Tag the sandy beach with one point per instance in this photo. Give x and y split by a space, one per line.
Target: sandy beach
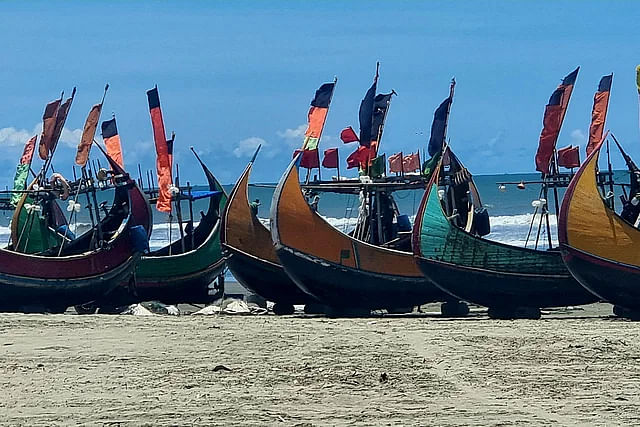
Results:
573 367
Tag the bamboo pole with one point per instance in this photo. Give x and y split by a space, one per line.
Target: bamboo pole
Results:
179 208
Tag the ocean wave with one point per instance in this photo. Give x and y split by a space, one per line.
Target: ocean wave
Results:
513 230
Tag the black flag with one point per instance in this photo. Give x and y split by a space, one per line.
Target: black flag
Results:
439 127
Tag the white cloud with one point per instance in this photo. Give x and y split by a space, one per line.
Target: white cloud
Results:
12 137
578 137
293 133
247 147
70 138
293 137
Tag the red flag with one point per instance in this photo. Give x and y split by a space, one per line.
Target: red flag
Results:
569 157
48 128
330 160
348 135
552 122
164 152
599 113
550 130
411 162
310 159
29 148
358 158
395 163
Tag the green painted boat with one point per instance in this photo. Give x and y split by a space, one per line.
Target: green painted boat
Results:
172 276
507 279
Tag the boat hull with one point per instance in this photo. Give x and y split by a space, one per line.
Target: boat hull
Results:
265 279
508 290
193 288
342 286
23 294
621 285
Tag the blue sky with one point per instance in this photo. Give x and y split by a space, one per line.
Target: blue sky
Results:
231 74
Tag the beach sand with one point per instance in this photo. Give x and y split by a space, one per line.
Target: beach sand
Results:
571 367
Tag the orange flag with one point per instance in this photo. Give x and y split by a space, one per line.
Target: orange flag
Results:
164 152
88 133
599 112
112 141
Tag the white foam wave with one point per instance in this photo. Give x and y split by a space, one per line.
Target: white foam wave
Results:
513 230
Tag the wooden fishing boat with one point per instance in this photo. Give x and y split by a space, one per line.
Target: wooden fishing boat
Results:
251 256
599 247
51 283
172 275
339 270
511 281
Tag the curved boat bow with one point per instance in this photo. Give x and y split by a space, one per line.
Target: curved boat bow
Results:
601 249
252 258
337 269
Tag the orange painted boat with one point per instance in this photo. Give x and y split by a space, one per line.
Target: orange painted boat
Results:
599 247
251 256
340 271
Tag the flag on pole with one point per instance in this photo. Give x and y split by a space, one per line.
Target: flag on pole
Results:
88 133
550 129
359 158
599 113
569 157
164 152
395 163
348 135
63 112
316 117
380 107
112 141
377 168
552 122
330 160
567 84
48 128
366 113
308 157
22 171
439 127
411 162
